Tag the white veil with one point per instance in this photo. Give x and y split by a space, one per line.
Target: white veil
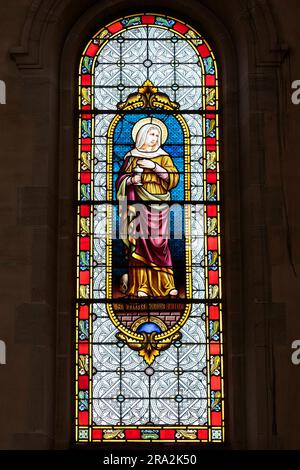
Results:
142 135
140 141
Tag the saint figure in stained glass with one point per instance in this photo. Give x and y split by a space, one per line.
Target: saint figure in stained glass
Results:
148 175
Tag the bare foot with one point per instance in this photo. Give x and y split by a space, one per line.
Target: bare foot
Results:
174 292
142 294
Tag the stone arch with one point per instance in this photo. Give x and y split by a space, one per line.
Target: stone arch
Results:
244 37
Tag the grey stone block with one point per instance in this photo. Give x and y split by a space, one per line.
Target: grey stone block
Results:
33 206
33 324
31 441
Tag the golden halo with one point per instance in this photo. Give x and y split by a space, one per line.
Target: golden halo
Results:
142 122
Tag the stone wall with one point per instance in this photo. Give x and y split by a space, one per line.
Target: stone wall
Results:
257 45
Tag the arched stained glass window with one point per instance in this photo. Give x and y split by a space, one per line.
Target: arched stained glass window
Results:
149 348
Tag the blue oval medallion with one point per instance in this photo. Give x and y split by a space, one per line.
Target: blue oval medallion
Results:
149 328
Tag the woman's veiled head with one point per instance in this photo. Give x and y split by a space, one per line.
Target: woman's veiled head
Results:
148 138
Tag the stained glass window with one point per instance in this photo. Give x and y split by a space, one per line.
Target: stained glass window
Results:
149 347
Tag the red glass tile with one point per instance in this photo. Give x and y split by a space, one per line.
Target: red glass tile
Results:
83 418
86 145
216 418
85 177
83 312
167 434
86 80
211 147
202 433
84 243
215 382
210 141
85 107
211 211
83 347
86 116
181 28
83 382
148 19
212 243
92 50
84 277
84 210
211 177
214 348
213 312
213 277
210 80
204 52
86 148
97 433
114 28
133 434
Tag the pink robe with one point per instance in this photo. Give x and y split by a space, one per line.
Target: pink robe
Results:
150 260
